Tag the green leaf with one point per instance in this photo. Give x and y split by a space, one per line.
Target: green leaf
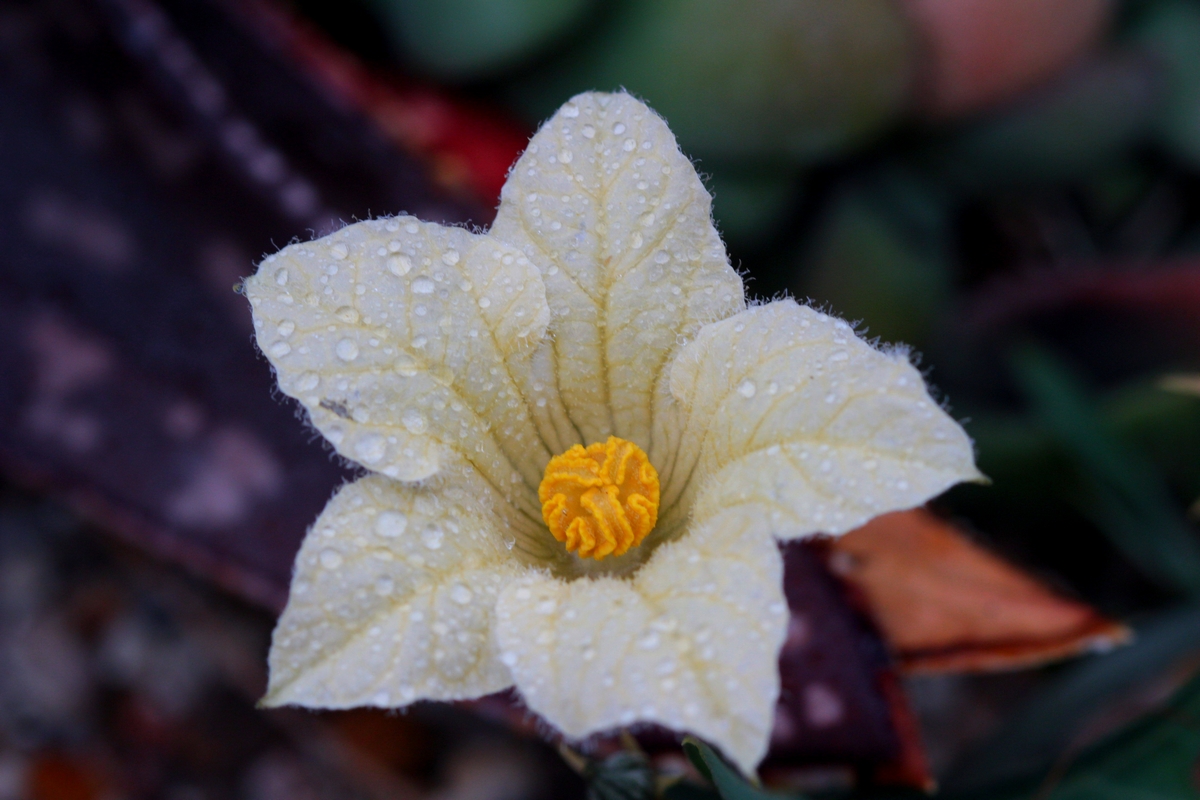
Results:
749 204
1090 690
882 256
728 783
625 775
1123 494
1170 31
1155 759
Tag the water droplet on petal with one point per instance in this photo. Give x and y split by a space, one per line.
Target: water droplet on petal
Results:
347 350
399 265
280 349
618 128
588 132
391 524
570 110
384 586
330 559
423 285
747 388
347 314
484 302
460 594
339 251
450 257
281 276
405 366
308 381
414 421
370 448
286 328
432 537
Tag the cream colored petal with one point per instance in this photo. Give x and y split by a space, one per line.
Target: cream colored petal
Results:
394 596
690 642
789 411
617 219
402 340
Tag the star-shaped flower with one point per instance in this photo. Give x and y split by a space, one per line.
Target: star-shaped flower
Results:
583 447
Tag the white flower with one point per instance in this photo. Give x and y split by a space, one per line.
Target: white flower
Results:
456 365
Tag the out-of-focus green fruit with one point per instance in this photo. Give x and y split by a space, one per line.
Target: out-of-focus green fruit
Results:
464 39
1170 31
1063 132
746 79
982 52
882 257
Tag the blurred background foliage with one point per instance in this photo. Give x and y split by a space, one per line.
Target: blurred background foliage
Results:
1011 188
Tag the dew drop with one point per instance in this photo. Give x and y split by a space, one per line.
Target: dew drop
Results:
384 586
635 241
618 128
460 594
370 448
747 388
629 145
484 302
647 219
570 110
347 350
331 559
406 367
391 524
432 537
280 349
399 265
662 257
281 276
509 658
588 132
347 314
308 381
566 156
414 421
423 285
450 257
339 251
286 328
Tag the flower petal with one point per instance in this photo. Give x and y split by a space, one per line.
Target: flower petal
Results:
690 642
614 213
790 411
394 596
401 339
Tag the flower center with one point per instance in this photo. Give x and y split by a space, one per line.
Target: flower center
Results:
600 500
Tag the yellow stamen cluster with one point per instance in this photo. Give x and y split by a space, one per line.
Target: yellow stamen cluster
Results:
600 500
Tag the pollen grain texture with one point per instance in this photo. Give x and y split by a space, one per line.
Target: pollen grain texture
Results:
600 500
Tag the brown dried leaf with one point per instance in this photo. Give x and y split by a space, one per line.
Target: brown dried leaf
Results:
947 605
